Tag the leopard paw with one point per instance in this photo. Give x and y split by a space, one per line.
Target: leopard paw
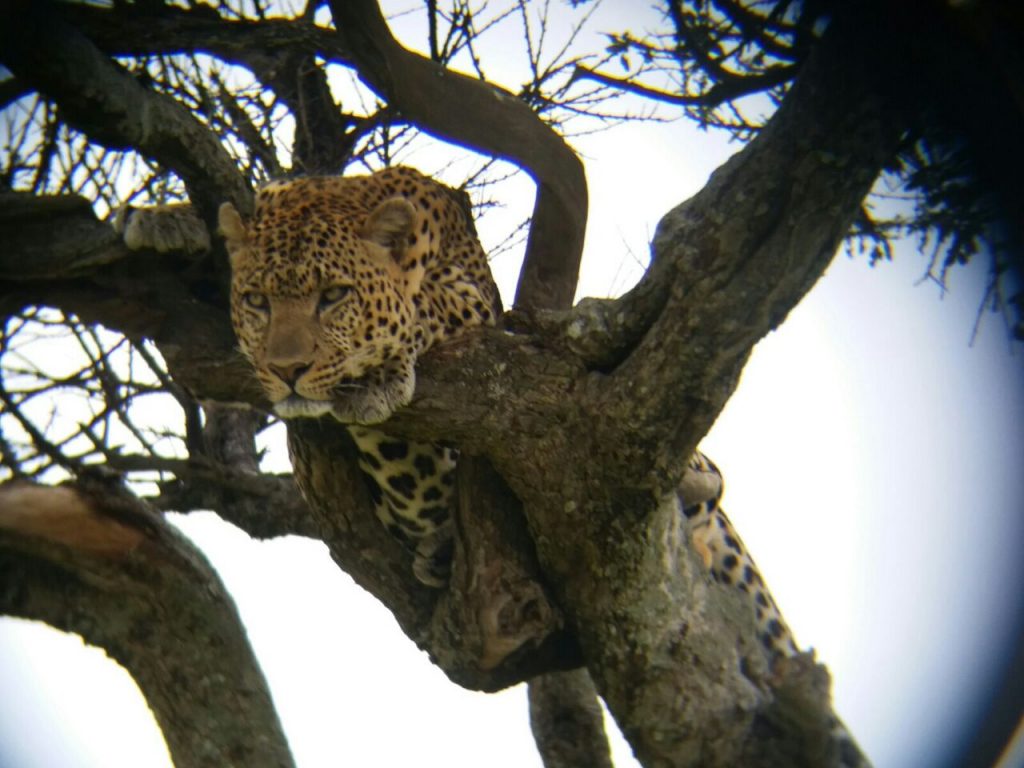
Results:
163 228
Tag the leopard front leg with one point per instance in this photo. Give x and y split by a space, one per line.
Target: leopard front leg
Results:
374 397
411 486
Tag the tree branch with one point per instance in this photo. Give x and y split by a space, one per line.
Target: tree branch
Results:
496 624
57 253
134 31
714 96
49 236
106 103
264 506
324 137
91 559
791 195
280 53
484 118
566 721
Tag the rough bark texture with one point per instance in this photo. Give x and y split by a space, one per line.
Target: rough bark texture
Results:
558 566
91 559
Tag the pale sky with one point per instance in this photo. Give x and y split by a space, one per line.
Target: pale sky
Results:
872 460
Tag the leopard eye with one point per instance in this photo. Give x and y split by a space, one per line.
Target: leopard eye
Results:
331 296
255 300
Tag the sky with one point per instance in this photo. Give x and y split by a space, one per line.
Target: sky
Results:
872 459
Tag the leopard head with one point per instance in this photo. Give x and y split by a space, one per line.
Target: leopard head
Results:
320 304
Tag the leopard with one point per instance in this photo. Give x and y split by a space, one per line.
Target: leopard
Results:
338 285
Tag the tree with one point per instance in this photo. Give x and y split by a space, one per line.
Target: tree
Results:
585 552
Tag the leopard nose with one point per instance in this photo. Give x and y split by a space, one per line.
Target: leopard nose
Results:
289 373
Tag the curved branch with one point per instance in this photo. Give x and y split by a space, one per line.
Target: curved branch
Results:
484 118
91 559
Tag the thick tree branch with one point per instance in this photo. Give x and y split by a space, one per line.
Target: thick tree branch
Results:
496 625
57 253
478 115
791 195
105 102
50 236
91 559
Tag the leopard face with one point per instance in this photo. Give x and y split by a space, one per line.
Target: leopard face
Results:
339 283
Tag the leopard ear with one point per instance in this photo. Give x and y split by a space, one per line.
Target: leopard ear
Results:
390 223
231 226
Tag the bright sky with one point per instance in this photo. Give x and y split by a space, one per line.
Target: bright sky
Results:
872 462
